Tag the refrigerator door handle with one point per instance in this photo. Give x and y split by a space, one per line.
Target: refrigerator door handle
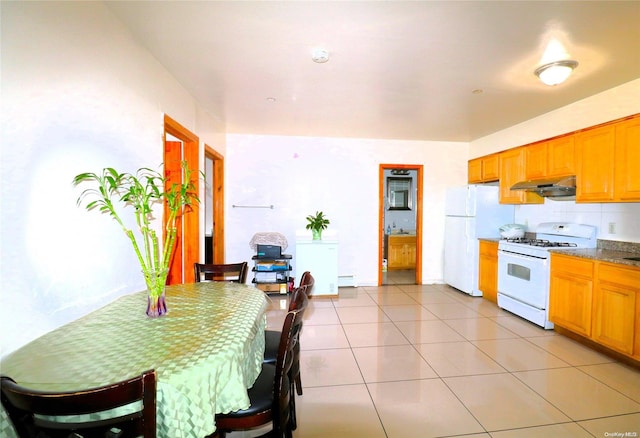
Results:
469 233
471 201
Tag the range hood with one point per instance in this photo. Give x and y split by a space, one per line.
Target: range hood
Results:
561 188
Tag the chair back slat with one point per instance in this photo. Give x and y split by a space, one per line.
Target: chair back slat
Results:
232 272
287 357
307 281
26 406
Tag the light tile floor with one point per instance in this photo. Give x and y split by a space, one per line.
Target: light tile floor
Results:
400 276
405 361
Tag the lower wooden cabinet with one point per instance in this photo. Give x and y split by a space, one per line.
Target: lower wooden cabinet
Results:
488 270
614 304
402 252
598 300
571 293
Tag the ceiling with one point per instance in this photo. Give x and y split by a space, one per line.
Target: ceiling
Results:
415 70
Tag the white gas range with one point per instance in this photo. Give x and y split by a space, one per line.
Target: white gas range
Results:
524 268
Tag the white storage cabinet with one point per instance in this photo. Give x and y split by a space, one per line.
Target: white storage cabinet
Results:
320 257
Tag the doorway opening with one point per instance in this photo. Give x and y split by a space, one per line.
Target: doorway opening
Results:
214 206
400 224
180 144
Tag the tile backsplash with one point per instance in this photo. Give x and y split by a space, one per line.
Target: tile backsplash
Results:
615 221
615 245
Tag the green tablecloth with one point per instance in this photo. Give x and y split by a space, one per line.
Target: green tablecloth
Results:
207 350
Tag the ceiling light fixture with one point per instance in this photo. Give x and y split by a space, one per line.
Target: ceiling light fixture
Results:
320 55
557 72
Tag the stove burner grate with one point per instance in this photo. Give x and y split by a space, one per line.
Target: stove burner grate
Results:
540 242
524 240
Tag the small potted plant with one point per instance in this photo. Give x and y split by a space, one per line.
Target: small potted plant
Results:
316 224
141 190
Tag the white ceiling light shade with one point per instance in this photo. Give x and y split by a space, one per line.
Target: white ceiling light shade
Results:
320 55
557 72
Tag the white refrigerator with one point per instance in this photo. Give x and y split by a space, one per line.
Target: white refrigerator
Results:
471 212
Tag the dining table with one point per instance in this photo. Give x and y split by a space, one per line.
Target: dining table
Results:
207 351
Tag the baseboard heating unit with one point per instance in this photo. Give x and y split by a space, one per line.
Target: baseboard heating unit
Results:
347 281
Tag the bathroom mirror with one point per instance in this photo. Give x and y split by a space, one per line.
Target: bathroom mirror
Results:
399 193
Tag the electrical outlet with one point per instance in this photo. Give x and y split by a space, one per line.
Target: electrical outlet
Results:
612 228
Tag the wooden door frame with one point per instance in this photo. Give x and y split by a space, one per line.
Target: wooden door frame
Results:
191 221
217 187
418 205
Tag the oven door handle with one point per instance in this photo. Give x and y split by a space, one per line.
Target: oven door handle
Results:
520 256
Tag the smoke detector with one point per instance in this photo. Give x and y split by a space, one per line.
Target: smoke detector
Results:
320 55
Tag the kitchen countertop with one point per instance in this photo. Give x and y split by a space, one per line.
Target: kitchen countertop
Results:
607 251
602 255
490 239
611 251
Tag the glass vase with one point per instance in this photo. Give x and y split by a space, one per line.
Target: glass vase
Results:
156 302
317 234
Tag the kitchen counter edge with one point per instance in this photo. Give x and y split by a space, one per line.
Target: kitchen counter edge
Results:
603 254
490 239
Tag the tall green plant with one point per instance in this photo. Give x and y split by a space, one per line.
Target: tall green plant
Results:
141 191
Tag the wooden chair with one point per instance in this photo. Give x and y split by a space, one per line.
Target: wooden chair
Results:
307 280
26 407
272 337
272 393
232 272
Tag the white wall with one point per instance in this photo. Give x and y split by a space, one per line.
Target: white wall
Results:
78 94
338 176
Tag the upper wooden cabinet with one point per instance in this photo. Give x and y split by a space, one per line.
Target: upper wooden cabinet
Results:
512 170
627 160
561 156
536 159
608 158
491 168
604 160
484 169
474 172
551 158
594 149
